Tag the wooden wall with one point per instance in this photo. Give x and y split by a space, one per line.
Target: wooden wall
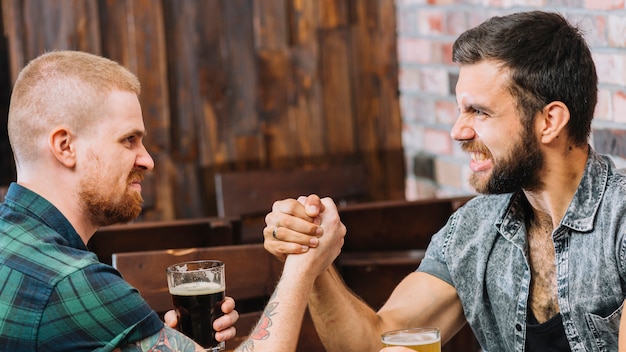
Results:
233 84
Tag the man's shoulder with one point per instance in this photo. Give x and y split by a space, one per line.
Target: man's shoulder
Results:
40 254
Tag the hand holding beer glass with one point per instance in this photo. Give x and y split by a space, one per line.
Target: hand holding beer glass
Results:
417 339
197 290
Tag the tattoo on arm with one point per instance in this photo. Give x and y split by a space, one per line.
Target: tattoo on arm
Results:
166 340
261 331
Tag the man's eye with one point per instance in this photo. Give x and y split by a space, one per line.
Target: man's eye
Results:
478 112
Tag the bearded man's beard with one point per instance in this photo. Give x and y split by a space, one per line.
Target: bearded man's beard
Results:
519 170
104 210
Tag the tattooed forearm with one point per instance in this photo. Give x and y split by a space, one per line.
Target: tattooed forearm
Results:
261 331
166 340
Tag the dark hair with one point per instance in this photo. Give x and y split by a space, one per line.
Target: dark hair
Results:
548 60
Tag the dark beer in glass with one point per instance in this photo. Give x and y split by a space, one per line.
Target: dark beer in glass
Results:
197 290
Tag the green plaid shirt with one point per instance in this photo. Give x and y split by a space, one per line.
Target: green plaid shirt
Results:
54 294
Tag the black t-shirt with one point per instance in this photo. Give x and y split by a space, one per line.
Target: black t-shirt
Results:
546 337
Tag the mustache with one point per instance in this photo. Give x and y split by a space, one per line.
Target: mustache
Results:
474 146
135 176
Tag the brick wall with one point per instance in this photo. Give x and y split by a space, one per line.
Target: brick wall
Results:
426 30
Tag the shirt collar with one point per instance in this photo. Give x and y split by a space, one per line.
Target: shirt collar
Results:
582 210
37 207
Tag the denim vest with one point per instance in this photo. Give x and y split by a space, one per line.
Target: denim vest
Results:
482 252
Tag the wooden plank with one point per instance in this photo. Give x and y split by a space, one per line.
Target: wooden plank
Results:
154 235
374 75
7 165
254 192
305 104
281 133
395 225
333 14
238 31
250 194
36 26
385 64
198 80
337 92
13 28
303 22
270 25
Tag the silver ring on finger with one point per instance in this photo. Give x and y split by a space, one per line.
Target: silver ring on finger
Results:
274 233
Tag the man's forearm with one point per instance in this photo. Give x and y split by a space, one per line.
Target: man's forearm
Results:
342 320
279 327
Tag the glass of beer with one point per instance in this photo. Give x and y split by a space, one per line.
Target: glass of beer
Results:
197 290
417 339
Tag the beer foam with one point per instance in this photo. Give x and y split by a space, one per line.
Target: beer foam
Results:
196 288
403 339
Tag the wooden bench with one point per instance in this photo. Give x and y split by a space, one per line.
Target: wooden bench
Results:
250 194
251 276
154 235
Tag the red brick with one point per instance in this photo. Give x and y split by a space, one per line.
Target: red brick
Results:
434 80
604 4
414 50
400 3
619 107
417 110
408 108
441 2
610 67
592 27
446 53
406 21
446 111
412 138
437 141
409 79
431 22
603 108
456 23
617 31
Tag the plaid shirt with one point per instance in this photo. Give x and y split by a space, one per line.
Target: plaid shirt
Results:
54 294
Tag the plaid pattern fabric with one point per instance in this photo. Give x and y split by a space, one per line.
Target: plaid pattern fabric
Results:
54 294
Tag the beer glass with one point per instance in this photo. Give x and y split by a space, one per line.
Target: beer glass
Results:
197 289
417 339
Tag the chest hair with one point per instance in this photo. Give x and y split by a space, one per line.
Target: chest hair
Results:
543 284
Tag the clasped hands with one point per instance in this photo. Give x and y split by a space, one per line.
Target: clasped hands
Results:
296 225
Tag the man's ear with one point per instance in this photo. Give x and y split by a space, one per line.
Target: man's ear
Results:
554 118
61 144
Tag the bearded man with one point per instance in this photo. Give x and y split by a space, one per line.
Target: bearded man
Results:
536 263
76 129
